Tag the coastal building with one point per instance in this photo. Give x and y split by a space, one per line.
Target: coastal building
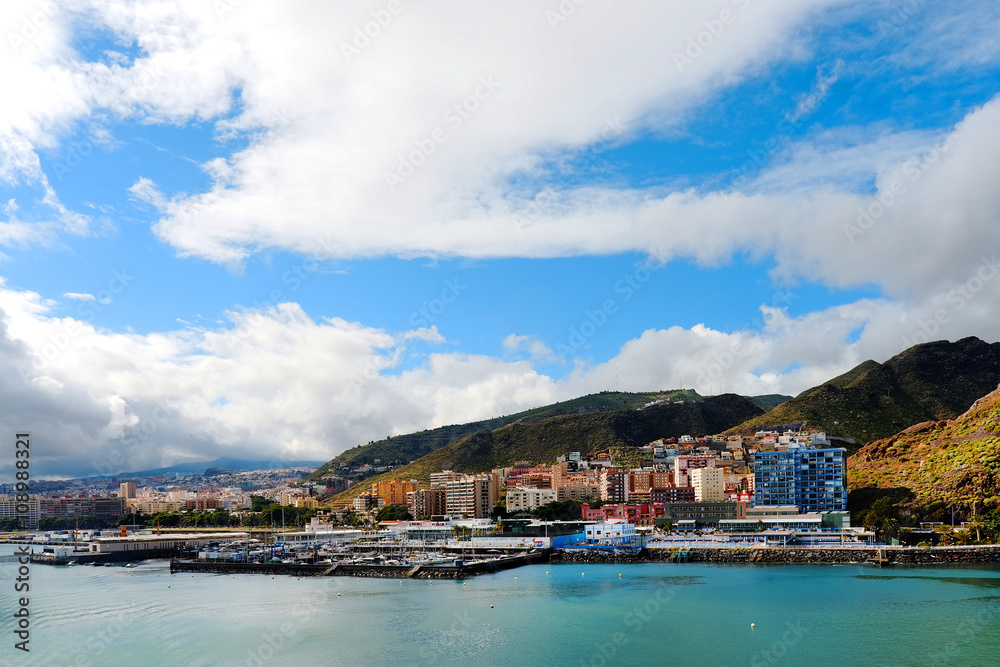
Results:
126 490
812 479
149 544
68 508
445 476
366 502
709 484
525 499
641 514
393 491
706 514
581 493
472 495
9 509
425 503
613 485
671 494
688 462
614 534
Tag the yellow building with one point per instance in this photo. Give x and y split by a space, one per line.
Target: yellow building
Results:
394 491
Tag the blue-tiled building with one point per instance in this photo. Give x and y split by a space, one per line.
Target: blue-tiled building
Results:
812 479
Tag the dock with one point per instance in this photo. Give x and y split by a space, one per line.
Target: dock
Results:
461 570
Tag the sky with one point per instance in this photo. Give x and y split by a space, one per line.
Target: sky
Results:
280 230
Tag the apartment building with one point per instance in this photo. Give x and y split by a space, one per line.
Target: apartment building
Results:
472 495
812 479
709 484
425 503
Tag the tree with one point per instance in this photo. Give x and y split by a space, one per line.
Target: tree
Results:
566 510
394 513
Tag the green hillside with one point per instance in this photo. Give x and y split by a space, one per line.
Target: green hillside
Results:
933 381
545 439
768 401
411 446
946 463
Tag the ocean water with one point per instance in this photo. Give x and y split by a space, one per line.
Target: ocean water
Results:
652 614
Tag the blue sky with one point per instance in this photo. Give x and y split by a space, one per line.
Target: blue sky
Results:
296 243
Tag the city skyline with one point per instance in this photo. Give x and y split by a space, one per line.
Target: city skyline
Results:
237 229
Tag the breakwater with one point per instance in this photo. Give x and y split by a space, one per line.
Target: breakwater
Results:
788 555
417 571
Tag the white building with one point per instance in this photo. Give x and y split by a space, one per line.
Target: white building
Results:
610 534
525 499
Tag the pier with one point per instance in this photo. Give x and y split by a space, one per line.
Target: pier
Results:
460 570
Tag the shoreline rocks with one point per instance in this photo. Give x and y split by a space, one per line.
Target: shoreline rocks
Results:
787 555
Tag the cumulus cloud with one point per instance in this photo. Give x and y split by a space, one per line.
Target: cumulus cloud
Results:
276 383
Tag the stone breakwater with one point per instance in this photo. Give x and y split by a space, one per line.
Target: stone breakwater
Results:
787 555
469 569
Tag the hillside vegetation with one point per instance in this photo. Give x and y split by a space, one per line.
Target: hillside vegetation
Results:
929 382
542 440
405 448
950 462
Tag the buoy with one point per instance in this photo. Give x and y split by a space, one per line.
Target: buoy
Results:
462 584
619 575
583 574
338 595
168 585
753 625
491 606
515 578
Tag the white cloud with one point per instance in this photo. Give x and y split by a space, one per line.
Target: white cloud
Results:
79 296
275 383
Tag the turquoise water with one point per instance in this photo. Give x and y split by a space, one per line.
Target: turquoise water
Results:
654 614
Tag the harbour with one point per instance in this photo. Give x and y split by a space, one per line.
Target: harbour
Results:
555 613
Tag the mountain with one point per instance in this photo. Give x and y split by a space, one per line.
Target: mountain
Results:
952 462
409 447
403 449
224 463
544 439
768 401
929 382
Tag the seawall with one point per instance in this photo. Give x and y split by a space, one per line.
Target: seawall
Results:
357 570
788 555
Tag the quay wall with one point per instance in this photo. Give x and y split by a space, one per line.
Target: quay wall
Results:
352 570
788 555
